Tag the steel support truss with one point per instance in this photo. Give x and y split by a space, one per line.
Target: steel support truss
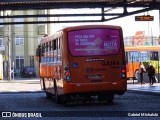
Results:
144 6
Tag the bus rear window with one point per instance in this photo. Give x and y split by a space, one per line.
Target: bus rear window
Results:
94 42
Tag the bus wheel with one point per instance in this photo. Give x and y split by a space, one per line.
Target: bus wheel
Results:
101 97
42 84
110 98
57 97
49 95
136 75
106 97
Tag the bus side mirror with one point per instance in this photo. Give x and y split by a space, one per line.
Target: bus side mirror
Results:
37 54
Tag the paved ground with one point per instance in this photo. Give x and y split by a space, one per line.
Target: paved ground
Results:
146 88
24 94
33 85
20 85
134 86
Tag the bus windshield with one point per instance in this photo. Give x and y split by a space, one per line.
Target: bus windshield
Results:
94 42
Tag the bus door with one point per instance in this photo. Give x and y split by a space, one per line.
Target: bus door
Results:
134 59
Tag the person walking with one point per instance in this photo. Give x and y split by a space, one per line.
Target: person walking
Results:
151 73
141 71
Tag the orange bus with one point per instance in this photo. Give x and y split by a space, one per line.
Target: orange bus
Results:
144 54
83 61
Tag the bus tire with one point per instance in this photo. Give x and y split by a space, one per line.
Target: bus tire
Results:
101 97
110 98
106 97
48 95
57 97
136 74
43 84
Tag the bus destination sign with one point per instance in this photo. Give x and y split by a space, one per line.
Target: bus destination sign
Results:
144 18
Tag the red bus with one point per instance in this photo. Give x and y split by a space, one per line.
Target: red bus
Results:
83 60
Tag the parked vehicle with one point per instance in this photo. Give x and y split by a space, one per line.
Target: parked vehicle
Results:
28 72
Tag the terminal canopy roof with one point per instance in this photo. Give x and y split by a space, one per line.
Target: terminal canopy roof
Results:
54 4
106 7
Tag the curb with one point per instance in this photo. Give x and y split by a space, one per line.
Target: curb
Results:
21 92
144 92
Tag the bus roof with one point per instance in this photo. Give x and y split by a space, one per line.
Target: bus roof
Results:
50 37
60 32
143 48
91 27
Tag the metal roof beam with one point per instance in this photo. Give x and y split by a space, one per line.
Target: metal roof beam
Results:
153 4
48 22
75 5
60 15
118 15
129 13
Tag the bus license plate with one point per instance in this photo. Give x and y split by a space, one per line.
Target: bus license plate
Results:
95 77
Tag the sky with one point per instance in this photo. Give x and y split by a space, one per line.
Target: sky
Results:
128 24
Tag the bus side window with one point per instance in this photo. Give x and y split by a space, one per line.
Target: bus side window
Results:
47 47
130 57
54 44
54 47
61 48
50 48
43 49
59 43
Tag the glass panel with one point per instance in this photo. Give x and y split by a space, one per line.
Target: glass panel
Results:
133 56
21 63
94 42
17 63
144 56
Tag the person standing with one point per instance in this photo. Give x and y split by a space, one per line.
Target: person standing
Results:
141 71
151 73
